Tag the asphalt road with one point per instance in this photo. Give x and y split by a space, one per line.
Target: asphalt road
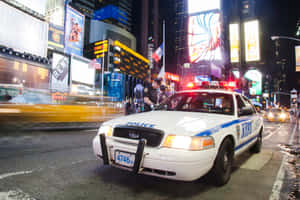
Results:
61 165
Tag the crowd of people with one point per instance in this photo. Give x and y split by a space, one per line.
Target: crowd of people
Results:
147 96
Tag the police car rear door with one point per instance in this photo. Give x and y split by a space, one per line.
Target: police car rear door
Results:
246 122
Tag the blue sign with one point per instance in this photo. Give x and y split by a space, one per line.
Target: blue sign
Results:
111 11
202 78
74 32
115 86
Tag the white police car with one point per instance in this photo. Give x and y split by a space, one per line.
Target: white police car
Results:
194 132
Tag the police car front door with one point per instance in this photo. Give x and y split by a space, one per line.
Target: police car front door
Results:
246 123
256 125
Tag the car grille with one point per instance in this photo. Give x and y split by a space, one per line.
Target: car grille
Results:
153 136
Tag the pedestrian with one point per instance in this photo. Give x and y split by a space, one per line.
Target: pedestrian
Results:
7 97
163 94
151 95
139 97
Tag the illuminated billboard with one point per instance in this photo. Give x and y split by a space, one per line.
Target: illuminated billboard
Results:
204 37
81 72
129 61
256 81
22 32
297 55
197 6
252 45
56 37
60 73
234 43
74 30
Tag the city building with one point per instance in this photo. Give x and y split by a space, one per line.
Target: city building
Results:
180 25
117 12
86 7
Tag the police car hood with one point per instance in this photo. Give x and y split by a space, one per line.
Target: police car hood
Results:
174 122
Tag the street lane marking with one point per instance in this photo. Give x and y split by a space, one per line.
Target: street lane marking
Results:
275 195
258 161
3 176
15 195
91 130
271 134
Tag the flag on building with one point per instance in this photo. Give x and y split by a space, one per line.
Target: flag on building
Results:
158 53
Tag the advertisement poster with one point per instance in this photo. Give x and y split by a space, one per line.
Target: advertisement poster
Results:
60 73
234 43
74 30
81 72
204 37
56 37
297 55
115 87
255 77
252 41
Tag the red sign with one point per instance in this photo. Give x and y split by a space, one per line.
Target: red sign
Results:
172 77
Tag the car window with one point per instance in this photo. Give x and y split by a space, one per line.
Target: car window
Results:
243 104
249 103
240 102
200 102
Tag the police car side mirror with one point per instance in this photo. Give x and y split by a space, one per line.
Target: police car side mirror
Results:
245 111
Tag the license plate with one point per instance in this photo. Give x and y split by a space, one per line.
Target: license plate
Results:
124 159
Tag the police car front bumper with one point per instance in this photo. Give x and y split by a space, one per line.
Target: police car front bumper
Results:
161 162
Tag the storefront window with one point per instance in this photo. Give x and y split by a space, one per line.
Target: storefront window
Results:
28 75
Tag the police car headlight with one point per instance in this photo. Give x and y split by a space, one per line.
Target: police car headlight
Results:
194 143
107 130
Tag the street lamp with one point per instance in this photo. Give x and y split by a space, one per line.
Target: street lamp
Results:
284 37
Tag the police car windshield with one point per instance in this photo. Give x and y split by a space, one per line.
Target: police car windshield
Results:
200 102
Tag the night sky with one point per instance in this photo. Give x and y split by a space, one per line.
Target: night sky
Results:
277 17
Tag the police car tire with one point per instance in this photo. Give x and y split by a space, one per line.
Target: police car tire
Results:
256 148
221 171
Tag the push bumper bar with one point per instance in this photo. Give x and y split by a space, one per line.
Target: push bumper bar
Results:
138 155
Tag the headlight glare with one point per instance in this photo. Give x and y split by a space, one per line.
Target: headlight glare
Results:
194 143
270 115
107 130
282 115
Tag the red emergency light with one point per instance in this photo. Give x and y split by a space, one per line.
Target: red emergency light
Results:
190 85
229 85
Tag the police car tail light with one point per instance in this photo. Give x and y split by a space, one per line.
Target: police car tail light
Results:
107 130
188 143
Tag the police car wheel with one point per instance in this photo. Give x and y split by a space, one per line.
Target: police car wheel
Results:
222 167
256 148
